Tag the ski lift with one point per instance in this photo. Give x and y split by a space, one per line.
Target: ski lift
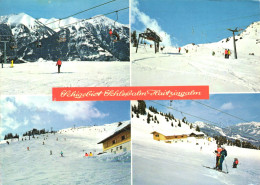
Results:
62 37
38 44
13 44
113 32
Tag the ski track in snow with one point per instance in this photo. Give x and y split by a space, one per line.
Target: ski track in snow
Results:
40 77
37 166
221 75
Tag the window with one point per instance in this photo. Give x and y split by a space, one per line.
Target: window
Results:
123 138
114 142
121 147
157 135
176 137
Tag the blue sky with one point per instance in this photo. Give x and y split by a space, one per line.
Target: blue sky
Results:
245 106
22 113
62 8
181 22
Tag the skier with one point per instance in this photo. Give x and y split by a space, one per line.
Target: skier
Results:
110 32
59 65
235 163
219 149
28 148
61 154
90 154
50 152
226 53
223 154
7 142
86 154
179 49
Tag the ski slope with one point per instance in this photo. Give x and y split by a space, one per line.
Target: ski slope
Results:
200 67
181 163
40 77
37 166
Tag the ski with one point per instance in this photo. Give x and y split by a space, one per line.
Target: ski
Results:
215 169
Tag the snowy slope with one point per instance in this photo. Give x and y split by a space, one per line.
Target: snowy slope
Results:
83 38
37 166
40 77
199 67
156 162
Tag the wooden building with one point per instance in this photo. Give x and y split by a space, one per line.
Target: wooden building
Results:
180 135
120 140
158 136
198 135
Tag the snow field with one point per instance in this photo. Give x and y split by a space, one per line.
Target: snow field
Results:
157 162
40 77
37 166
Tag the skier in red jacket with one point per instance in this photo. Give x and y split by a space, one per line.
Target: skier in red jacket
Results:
226 53
59 65
235 163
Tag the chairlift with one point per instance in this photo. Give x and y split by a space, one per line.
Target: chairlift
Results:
13 44
113 32
62 39
38 44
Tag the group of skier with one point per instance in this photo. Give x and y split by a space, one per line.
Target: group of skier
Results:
88 155
227 53
221 153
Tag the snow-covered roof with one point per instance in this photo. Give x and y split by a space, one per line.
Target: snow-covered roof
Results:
176 132
121 126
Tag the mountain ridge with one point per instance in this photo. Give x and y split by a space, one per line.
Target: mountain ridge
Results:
83 40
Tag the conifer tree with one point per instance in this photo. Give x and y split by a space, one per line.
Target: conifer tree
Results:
198 128
179 123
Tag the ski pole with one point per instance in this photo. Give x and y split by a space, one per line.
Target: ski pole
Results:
226 166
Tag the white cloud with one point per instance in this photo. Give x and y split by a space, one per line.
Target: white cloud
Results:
36 119
7 107
25 121
148 22
11 123
70 110
227 106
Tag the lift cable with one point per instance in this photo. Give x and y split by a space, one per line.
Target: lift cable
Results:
81 11
221 111
92 18
215 123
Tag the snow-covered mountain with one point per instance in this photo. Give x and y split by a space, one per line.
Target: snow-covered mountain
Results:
243 131
83 40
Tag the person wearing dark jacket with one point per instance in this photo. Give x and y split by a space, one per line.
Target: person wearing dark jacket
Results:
223 154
